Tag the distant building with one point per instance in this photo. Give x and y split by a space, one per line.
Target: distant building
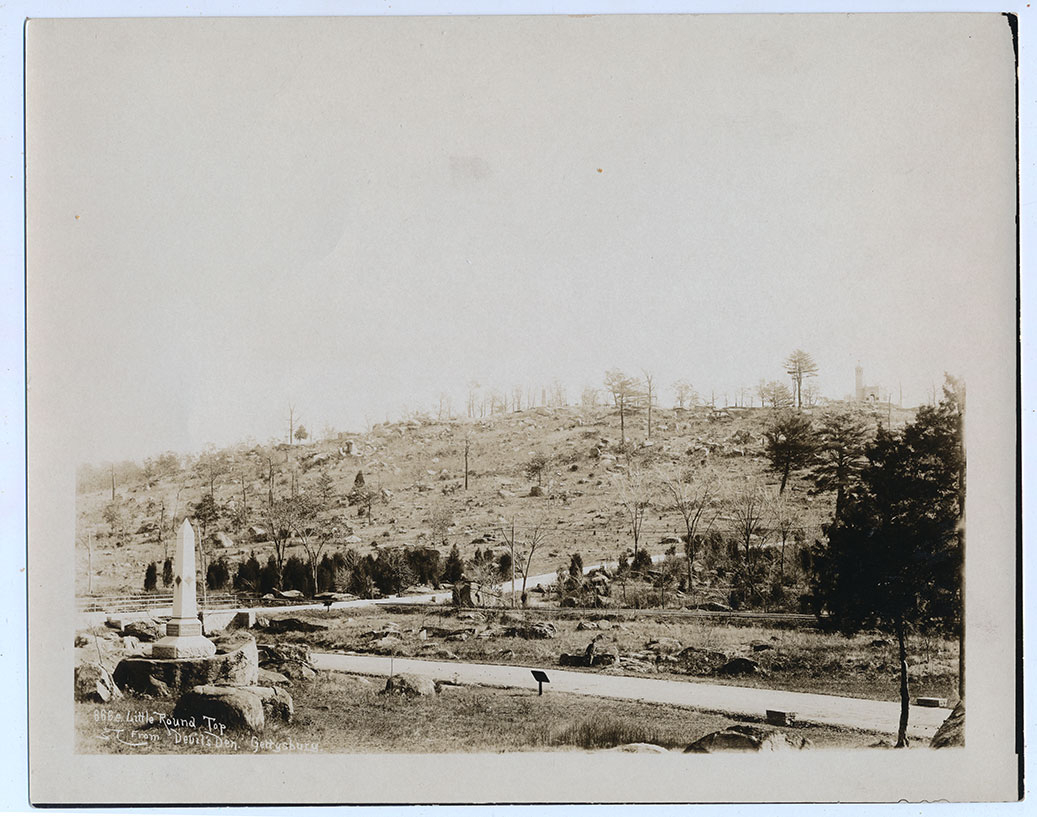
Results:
866 394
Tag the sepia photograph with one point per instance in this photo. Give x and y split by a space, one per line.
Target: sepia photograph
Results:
522 408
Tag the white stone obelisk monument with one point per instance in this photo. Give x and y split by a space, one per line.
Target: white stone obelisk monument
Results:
184 637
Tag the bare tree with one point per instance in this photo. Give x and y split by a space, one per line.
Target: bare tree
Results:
467 449
634 491
316 529
773 393
626 393
748 509
800 365
148 472
211 465
685 394
439 525
558 397
516 398
786 520
291 423
283 520
589 398
649 382
524 550
692 496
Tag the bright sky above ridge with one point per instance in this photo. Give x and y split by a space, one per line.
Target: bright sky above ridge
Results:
357 215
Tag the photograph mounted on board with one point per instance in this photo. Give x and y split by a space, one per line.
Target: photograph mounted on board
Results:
576 393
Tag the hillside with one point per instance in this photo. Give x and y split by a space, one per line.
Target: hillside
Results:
416 470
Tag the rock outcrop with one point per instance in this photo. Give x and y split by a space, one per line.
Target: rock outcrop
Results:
236 663
412 686
746 738
952 730
236 707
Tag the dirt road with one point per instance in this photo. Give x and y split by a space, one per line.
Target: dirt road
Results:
857 713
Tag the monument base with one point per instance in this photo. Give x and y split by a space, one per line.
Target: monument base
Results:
183 646
183 639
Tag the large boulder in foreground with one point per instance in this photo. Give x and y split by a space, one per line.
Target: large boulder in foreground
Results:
412 686
236 663
235 708
94 683
952 730
746 738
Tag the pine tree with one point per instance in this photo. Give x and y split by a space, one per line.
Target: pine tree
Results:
893 560
789 444
453 570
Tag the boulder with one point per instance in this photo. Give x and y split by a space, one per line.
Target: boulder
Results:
277 703
466 594
586 625
700 662
952 730
664 646
105 653
294 625
236 663
640 749
289 594
94 683
739 666
143 630
267 677
289 660
410 685
603 624
628 662
539 630
233 707
746 738
601 652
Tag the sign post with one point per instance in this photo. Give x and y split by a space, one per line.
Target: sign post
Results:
541 678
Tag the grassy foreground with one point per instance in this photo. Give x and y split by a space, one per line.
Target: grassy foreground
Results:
340 713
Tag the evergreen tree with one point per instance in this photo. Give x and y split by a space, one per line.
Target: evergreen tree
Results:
150 577
453 570
842 437
893 561
789 444
247 576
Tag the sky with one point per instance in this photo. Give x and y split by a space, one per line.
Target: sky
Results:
353 216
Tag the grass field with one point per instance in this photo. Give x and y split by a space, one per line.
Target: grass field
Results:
339 713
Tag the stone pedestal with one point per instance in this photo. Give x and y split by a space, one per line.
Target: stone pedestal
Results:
184 637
